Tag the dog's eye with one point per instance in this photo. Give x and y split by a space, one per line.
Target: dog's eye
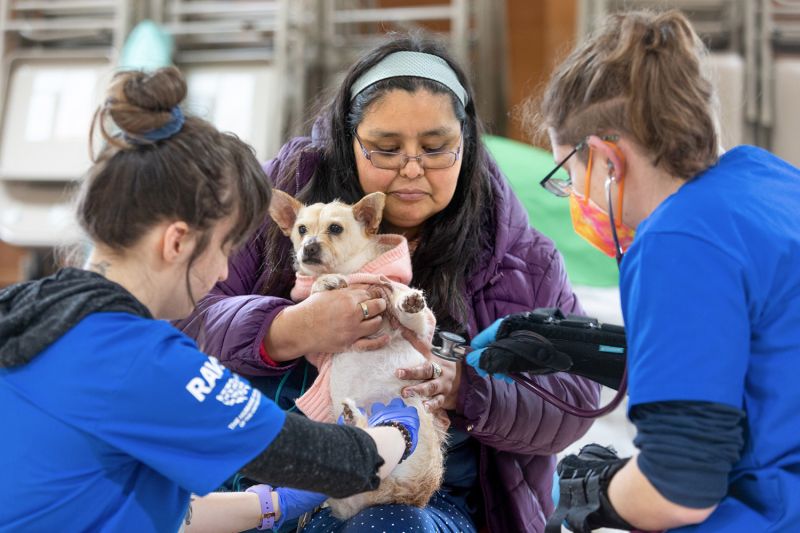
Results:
336 229
302 230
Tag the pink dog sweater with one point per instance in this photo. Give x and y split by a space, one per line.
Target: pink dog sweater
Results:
393 265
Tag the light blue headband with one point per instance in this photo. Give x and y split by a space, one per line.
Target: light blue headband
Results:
416 64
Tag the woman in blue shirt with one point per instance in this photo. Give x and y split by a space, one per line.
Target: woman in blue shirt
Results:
710 287
112 417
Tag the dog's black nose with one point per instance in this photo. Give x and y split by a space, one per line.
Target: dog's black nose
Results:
311 251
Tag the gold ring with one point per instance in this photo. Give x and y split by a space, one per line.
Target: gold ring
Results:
436 370
364 310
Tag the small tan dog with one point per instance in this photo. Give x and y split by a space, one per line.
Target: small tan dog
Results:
335 240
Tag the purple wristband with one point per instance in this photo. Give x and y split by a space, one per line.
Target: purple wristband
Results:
267 508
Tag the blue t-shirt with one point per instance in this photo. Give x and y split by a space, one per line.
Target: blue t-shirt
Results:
115 424
711 298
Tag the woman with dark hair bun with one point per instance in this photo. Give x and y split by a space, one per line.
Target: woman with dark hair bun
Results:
113 417
404 122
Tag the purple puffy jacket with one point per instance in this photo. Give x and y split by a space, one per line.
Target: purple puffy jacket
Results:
518 432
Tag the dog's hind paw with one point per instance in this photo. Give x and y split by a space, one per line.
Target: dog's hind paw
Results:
329 282
352 415
413 302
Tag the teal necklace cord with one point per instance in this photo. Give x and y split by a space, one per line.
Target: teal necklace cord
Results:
283 382
239 482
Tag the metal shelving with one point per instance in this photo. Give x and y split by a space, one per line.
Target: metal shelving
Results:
475 31
245 62
55 60
253 67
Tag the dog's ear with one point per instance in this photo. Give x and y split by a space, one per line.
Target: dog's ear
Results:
369 211
283 209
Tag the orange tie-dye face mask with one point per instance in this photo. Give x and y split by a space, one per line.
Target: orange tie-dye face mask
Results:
593 224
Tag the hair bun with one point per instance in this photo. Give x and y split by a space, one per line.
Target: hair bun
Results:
669 30
139 101
656 37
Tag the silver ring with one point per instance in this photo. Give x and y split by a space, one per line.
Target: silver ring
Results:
436 370
364 310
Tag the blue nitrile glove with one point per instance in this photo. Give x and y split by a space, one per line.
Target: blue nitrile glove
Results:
474 358
556 491
482 339
397 411
295 502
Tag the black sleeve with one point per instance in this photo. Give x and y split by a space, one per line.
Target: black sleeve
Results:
338 461
688 449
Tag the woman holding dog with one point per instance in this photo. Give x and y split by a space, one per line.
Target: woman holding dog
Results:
111 416
404 123
710 287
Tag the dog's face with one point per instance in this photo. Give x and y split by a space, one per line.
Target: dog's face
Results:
329 238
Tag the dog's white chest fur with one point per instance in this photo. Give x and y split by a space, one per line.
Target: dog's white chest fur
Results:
369 377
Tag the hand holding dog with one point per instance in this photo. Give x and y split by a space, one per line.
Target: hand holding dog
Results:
396 411
328 321
442 391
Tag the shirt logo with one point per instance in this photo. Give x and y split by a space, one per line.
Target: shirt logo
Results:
247 412
210 372
234 392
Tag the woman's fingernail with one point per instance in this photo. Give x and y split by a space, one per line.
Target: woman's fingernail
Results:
427 406
408 394
401 373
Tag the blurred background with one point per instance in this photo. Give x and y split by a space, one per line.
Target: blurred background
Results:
257 67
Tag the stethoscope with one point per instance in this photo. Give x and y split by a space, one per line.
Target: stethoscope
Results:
454 348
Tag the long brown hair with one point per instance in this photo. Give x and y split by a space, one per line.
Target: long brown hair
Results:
641 73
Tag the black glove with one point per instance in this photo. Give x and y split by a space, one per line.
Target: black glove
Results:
583 486
523 351
544 340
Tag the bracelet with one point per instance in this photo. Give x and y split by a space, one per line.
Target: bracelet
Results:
267 508
406 437
262 352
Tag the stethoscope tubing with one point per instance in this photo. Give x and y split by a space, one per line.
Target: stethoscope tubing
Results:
574 410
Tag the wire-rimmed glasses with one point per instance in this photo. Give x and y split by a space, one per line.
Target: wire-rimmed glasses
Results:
398 160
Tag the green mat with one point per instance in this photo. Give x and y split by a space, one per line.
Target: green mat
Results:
525 166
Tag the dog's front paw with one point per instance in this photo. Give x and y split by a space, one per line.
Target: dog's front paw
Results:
329 282
413 302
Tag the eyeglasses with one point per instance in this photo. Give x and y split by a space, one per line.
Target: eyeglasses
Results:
562 187
397 160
